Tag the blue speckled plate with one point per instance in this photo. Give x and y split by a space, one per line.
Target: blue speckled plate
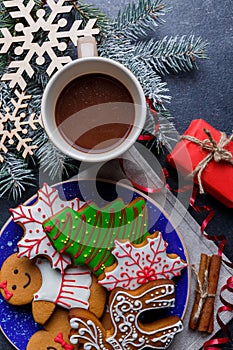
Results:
17 322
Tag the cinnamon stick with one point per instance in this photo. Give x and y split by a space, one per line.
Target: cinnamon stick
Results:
211 324
199 300
205 324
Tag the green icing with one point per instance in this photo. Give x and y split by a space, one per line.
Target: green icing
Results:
88 235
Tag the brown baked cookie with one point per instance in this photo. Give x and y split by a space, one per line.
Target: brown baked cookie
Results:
23 281
55 335
128 331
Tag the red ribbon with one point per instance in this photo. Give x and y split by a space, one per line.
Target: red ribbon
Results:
215 238
209 345
227 306
178 190
157 126
137 185
59 339
8 294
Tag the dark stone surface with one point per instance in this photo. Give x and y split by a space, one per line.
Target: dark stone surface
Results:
206 93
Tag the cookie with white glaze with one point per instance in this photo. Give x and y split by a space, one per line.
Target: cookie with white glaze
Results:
128 332
23 281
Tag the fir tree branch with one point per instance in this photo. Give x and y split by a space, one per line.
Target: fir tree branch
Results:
152 84
167 135
137 20
123 51
57 163
86 11
126 40
173 54
5 19
15 176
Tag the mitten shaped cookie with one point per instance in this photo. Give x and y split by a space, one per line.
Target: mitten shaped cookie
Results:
24 281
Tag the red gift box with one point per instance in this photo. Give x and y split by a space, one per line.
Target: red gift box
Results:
217 176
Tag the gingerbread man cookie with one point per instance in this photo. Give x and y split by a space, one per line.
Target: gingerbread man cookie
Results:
55 335
23 282
128 332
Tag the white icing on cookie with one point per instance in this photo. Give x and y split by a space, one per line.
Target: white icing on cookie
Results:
35 241
128 334
72 289
138 265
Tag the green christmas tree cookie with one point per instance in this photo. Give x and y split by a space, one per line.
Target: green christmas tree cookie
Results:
88 235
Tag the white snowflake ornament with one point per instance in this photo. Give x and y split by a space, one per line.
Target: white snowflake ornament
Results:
35 242
52 25
14 125
138 264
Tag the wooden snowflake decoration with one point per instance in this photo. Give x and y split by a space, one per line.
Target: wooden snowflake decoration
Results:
35 241
15 124
139 264
26 32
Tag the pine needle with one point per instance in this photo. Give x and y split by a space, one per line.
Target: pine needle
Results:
172 54
15 176
51 160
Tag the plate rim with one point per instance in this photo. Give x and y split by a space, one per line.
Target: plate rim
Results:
135 190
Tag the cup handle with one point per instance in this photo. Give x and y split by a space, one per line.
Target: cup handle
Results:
87 47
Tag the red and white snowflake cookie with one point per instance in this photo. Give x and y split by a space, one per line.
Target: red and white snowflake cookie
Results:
35 241
138 264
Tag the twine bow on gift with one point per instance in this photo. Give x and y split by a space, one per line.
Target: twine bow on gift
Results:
217 153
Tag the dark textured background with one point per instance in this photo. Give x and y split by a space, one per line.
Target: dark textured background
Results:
206 93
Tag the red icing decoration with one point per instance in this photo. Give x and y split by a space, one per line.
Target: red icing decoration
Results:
8 294
141 268
48 228
34 241
59 339
146 275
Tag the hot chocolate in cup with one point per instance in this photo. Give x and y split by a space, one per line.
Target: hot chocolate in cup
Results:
94 108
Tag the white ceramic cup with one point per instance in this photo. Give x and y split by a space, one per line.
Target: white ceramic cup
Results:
80 67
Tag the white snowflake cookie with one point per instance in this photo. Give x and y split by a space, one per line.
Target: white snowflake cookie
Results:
35 242
138 264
